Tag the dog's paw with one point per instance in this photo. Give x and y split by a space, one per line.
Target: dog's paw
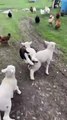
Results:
30 63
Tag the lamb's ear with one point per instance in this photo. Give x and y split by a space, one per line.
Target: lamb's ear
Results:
30 42
22 43
4 70
54 43
46 42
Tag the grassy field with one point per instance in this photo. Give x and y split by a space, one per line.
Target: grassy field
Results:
23 3
47 32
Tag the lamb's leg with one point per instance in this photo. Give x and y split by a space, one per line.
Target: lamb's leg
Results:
18 91
33 69
28 60
47 67
7 112
31 74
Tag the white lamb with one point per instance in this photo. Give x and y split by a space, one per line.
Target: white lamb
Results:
43 56
7 88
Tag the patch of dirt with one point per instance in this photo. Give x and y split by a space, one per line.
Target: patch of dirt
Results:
46 97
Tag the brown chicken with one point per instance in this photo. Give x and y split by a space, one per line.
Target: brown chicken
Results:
57 24
5 39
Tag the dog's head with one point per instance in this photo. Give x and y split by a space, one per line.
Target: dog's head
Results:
9 71
26 44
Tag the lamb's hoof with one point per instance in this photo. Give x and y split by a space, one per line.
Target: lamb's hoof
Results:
32 79
19 92
8 119
47 73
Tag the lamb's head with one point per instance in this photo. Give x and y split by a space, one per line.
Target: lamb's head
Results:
26 44
50 45
9 71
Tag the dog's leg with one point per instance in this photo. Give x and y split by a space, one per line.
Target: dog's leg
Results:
47 67
18 91
33 69
28 60
7 111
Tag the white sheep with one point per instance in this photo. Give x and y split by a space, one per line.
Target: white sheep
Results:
27 53
7 88
43 56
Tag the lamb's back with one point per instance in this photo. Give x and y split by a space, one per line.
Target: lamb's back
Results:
43 55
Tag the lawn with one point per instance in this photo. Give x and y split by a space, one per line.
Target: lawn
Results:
47 32
23 3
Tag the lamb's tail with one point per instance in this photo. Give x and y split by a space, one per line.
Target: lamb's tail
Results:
0 115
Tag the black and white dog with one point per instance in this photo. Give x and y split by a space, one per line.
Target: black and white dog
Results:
27 53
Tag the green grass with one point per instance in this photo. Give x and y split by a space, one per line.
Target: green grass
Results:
47 32
9 25
22 3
